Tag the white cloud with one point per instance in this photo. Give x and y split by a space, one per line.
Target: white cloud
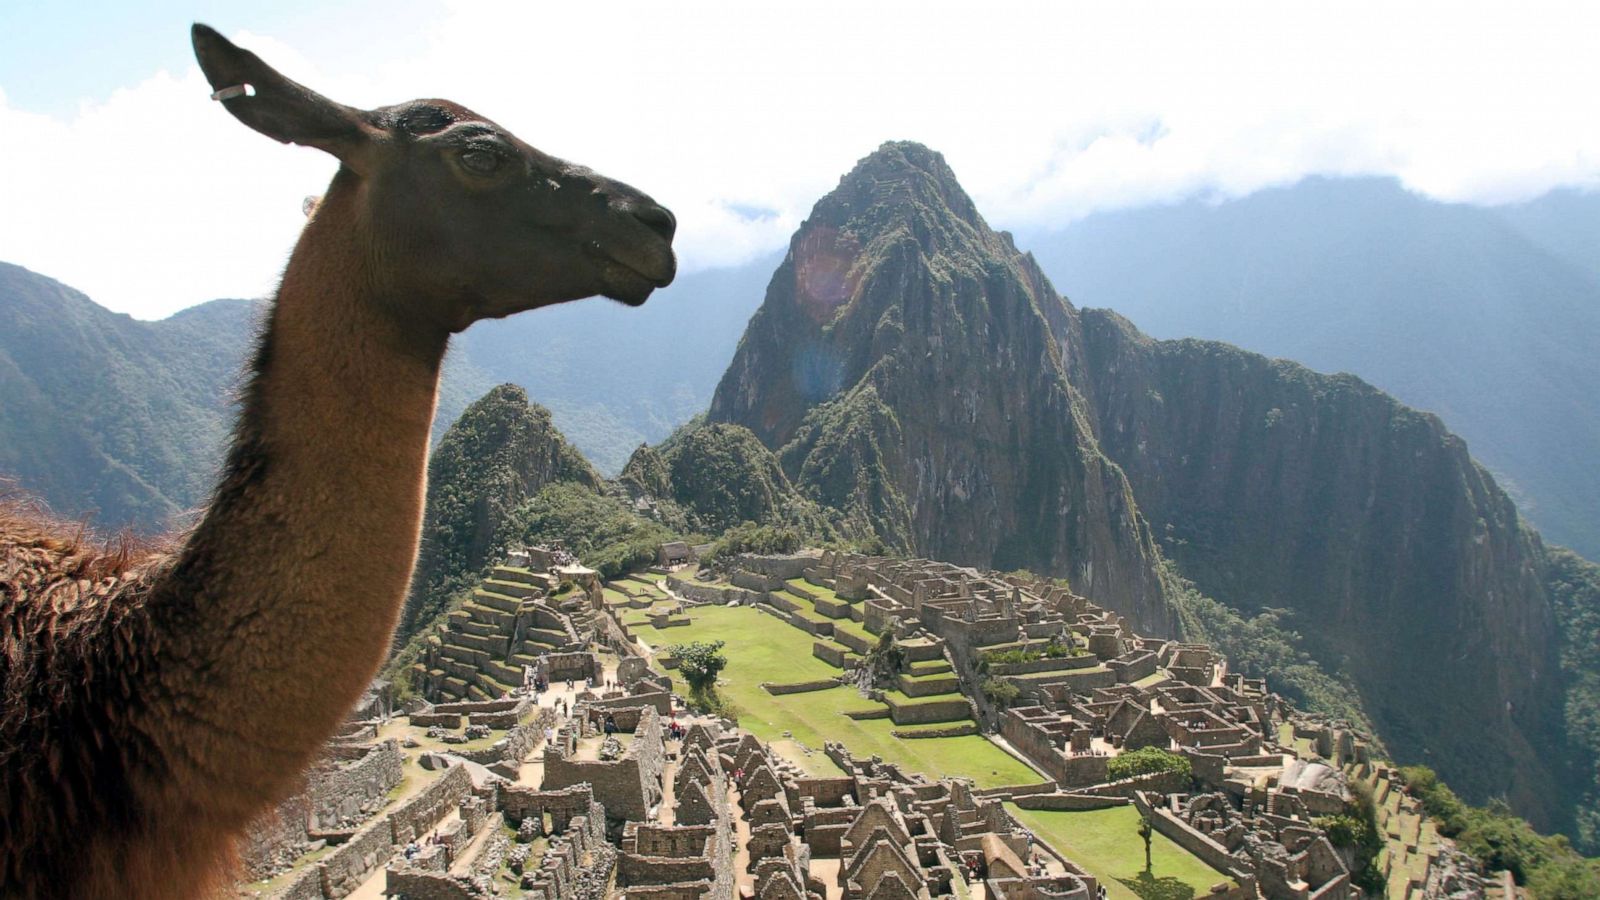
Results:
739 115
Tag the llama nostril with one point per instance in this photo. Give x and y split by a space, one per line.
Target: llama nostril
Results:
658 218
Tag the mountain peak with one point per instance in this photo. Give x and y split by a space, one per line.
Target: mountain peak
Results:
896 178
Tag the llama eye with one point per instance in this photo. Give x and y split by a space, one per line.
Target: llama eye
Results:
482 162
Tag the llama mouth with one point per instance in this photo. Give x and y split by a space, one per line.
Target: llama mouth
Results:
655 265
631 281
629 285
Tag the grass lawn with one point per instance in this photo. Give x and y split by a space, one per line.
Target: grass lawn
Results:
761 648
1106 843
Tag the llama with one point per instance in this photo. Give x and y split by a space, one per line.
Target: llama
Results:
157 700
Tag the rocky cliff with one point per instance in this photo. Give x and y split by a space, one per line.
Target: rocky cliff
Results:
912 367
1405 567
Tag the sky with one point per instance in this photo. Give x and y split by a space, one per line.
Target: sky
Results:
119 176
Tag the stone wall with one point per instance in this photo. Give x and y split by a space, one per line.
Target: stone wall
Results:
755 581
627 787
416 884
1209 851
829 652
344 796
276 839
1068 801
782 567
1060 664
431 804
660 701
343 870
705 593
928 713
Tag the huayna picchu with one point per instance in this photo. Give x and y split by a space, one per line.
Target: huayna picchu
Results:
910 367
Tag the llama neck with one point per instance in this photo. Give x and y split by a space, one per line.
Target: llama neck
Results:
281 607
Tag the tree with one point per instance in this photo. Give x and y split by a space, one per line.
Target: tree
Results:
1145 830
700 662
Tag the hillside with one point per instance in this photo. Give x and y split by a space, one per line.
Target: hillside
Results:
105 413
1486 316
909 364
126 420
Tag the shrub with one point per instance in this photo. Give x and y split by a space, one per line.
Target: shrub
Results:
1000 692
1147 761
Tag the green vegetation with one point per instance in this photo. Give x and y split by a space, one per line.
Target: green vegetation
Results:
700 662
106 415
1147 761
715 477
1103 842
1262 647
1548 866
1574 586
841 455
760 648
1000 692
1356 829
601 530
748 537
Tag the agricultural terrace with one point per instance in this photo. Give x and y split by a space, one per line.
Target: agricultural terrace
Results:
763 648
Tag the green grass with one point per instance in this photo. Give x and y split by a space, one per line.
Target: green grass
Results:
815 590
1106 843
855 628
761 648
805 610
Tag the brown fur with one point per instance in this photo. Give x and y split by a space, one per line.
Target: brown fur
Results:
158 699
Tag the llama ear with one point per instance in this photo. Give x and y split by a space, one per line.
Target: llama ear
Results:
281 109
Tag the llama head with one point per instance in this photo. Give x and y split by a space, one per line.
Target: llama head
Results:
468 221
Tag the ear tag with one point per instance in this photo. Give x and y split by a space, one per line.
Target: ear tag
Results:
238 90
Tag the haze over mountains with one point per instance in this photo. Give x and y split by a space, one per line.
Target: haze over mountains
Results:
1489 317
126 420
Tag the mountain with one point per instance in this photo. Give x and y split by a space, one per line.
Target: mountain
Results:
126 420
1486 316
500 452
105 413
910 366
913 366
